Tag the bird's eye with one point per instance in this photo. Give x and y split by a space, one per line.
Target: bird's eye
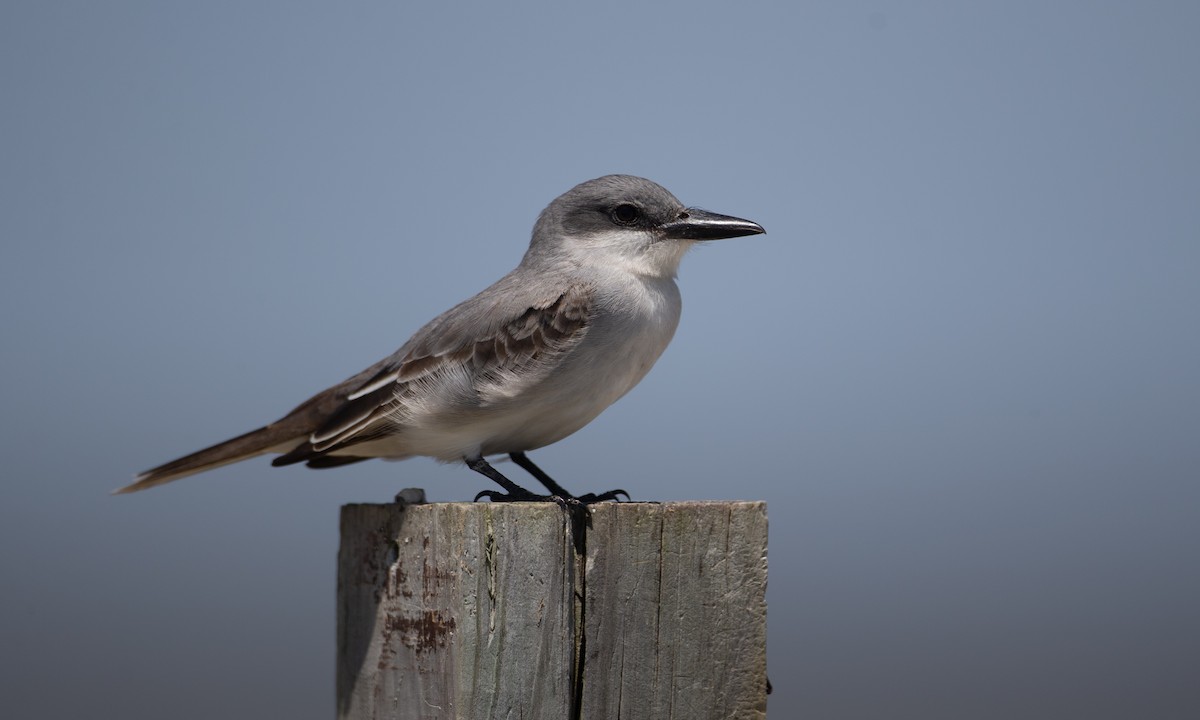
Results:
625 214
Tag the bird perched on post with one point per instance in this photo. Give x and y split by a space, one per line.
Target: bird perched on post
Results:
521 365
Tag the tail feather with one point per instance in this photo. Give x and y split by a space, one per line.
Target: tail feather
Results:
282 436
271 438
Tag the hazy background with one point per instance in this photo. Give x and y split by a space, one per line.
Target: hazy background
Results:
963 367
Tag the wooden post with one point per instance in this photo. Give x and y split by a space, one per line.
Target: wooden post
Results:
480 610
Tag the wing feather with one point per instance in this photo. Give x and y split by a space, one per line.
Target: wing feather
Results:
483 350
468 365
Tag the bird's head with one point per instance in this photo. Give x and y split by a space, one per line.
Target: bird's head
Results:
627 221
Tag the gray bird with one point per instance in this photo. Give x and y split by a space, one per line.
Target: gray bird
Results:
521 365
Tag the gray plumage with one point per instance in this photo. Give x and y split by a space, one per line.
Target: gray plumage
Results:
521 365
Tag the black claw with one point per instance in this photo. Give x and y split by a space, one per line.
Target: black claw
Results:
516 493
523 496
604 496
523 460
566 502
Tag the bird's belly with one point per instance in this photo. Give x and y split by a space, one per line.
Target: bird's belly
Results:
614 357
534 421
618 351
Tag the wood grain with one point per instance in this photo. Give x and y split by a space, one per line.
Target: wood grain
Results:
479 610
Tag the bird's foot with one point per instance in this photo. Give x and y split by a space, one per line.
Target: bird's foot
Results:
555 489
614 495
525 496
565 500
519 495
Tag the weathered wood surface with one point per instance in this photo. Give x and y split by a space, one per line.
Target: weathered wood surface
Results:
478 610
676 614
455 610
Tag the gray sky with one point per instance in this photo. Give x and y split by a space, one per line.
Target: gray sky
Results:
963 367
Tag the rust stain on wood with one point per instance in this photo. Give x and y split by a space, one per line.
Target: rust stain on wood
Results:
427 631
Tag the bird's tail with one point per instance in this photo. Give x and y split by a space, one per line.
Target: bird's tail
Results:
276 437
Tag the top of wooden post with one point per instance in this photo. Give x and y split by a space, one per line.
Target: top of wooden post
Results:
490 610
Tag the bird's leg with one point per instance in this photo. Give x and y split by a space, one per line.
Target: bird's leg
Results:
540 475
515 493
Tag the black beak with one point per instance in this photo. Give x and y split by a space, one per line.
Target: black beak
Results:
694 224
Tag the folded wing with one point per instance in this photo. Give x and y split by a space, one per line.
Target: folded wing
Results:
469 357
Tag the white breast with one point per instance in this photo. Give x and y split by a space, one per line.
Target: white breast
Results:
634 321
628 334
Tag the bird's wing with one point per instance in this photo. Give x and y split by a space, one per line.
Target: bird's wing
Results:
504 334
471 357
